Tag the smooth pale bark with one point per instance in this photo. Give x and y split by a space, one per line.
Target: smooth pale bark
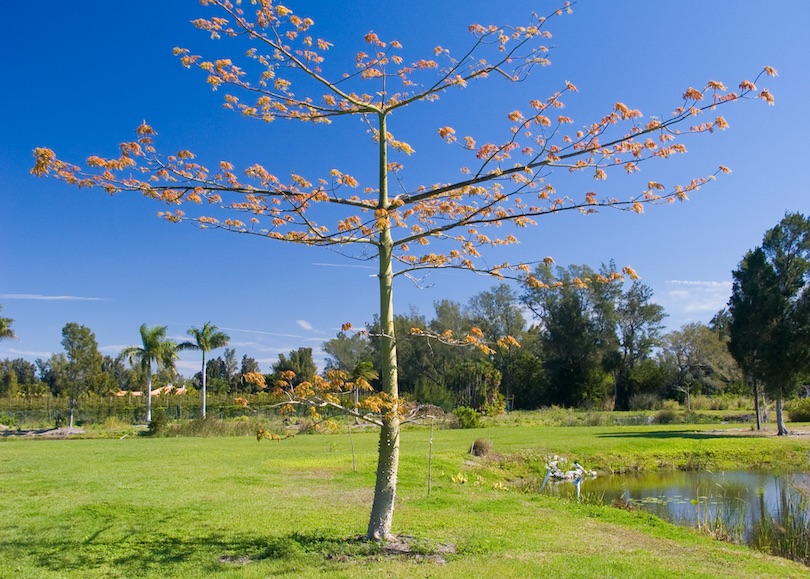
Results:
385 489
382 510
149 393
203 385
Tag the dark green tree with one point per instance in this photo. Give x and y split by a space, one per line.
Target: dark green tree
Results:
83 370
770 311
497 313
639 324
300 362
345 351
577 332
206 339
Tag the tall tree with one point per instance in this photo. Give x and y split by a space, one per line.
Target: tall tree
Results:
577 331
155 350
640 324
6 331
84 362
300 362
498 314
770 311
206 339
293 81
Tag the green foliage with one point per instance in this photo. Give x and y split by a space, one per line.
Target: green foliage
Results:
467 417
158 422
8 419
6 331
799 410
670 413
644 401
578 331
496 406
770 308
300 362
429 392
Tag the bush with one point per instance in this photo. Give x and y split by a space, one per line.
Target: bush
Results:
9 419
644 401
669 413
158 422
799 410
597 419
496 407
467 417
481 447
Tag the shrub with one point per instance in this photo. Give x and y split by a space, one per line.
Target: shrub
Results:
9 419
496 407
669 413
597 419
467 417
644 401
481 447
799 410
701 402
158 422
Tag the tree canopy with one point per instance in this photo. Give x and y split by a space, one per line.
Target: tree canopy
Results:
770 310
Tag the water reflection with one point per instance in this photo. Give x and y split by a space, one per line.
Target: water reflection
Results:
735 500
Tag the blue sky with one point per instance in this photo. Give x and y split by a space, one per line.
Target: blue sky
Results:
80 77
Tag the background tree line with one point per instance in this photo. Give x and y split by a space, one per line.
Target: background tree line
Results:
573 340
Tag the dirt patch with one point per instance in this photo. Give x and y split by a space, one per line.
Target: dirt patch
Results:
53 433
765 432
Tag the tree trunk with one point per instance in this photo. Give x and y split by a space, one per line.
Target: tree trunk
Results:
385 489
780 417
756 405
149 394
72 405
203 385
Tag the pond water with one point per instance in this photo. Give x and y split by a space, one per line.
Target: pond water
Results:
736 498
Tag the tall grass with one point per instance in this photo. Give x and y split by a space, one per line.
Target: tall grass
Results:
787 532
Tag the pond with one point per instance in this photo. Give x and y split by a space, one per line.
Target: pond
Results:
736 500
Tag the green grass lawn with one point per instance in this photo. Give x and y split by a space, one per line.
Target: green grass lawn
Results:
232 507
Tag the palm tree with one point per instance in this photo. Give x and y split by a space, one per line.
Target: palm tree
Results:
6 333
156 349
206 339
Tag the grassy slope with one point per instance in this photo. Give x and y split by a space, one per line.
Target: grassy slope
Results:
231 507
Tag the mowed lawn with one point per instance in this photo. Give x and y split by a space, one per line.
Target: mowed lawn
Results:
234 507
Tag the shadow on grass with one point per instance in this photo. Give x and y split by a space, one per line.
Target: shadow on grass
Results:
665 434
142 553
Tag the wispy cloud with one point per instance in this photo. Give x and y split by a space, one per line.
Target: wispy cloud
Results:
262 333
30 353
43 297
304 324
693 298
114 348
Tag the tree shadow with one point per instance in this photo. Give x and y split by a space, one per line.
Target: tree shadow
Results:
142 552
689 435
